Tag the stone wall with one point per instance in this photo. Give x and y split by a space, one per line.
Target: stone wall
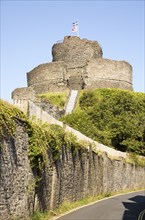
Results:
22 104
73 176
52 110
105 73
17 183
39 114
48 77
84 173
76 52
25 93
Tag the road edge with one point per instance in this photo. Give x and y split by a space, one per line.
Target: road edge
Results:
92 203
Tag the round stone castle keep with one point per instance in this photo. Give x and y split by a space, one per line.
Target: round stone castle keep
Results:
77 64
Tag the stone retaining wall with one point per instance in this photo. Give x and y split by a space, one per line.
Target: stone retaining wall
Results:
17 183
73 176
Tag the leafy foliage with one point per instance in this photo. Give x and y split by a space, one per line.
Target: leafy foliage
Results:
42 137
7 114
38 144
113 117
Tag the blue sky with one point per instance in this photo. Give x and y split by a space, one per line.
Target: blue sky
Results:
30 28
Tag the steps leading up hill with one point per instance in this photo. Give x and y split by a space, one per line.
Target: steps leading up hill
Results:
72 101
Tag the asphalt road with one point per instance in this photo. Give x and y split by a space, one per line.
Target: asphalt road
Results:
125 207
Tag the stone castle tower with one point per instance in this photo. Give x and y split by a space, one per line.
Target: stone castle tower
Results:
77 64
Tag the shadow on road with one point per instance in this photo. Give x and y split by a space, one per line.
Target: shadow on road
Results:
133 208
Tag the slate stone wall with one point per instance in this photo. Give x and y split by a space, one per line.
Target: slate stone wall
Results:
73 176
17 183
84 173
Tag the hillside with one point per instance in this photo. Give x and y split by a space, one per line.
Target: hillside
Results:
113 117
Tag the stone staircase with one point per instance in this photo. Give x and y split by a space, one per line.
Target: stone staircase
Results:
71 102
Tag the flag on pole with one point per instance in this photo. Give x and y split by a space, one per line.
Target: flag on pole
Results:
75 26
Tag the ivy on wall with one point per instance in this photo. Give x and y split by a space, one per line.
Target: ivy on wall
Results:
41 136
8 113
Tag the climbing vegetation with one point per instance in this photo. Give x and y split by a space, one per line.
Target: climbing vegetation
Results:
113 117
43 138
8 114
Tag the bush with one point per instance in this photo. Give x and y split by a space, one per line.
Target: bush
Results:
113 117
